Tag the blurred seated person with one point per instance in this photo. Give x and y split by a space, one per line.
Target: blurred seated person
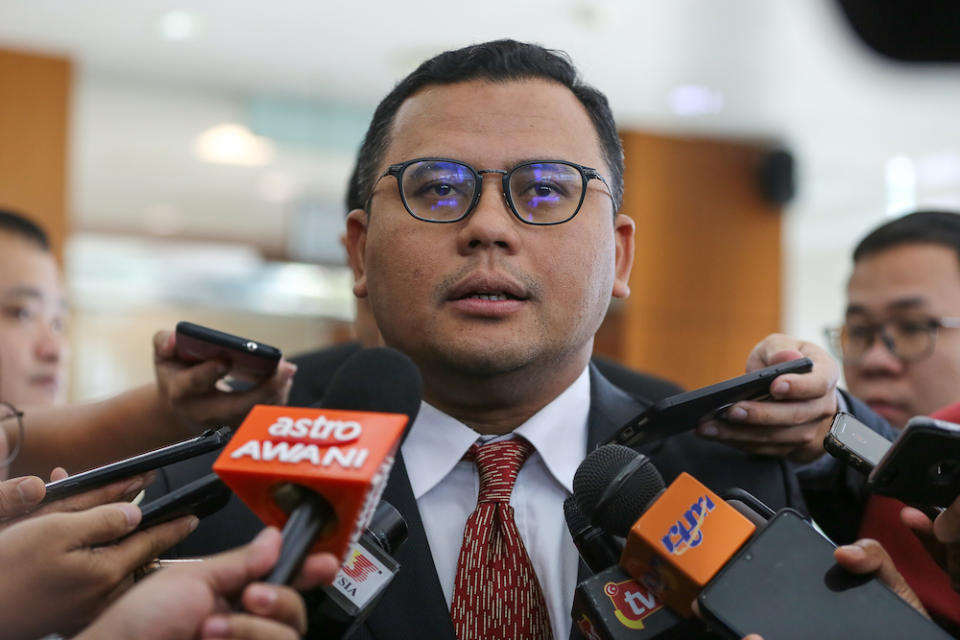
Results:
32 314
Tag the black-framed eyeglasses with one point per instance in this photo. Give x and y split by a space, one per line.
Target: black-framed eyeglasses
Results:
9 412
908 339
542 192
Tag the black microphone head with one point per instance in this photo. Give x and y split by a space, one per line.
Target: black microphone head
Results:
576 521
614 485
380 379
388 527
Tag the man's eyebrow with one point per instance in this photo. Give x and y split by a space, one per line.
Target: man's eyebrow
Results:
901 304
23 290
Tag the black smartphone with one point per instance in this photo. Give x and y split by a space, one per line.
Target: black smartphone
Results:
922 466
684 411
785 584
250 361
202 497
87 480
854 443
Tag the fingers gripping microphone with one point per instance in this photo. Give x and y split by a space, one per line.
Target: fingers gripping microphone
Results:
686 532
319 472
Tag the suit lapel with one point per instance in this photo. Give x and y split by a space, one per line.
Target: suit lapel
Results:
413 605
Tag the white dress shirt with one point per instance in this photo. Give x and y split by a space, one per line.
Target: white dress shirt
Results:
446 489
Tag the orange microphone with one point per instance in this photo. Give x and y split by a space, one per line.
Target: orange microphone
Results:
319 472
686 532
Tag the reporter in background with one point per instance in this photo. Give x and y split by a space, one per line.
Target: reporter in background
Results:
32 314
899 342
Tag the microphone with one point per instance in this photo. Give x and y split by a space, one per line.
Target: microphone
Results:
336 610
685 534
611 605
597 549
319 472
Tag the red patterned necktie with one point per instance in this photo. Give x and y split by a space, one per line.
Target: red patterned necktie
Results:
496 595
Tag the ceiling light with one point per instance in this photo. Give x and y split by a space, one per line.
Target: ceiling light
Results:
177 26
694 100
230 143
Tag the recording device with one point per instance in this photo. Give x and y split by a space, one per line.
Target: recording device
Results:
250 361
855 443
336 610
922 466
684 411
611 604
87 480
202 497
785 584
319 472
684 535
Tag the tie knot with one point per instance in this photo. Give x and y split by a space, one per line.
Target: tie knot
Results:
498 464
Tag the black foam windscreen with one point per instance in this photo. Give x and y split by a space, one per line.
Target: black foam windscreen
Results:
614 485
576 520
915 31
380 379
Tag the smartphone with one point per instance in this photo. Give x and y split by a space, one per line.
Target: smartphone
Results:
202 497
684 411
855 443
922 466
72 485
250 361
784 584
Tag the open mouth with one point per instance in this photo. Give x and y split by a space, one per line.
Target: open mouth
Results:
497 296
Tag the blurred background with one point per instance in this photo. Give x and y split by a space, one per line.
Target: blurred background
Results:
190 160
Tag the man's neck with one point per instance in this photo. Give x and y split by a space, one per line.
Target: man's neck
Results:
499 404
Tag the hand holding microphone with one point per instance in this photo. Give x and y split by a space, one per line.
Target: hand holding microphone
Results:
320 472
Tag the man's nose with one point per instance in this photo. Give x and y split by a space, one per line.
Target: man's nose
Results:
491 224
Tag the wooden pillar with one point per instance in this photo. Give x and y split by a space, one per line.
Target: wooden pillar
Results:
706 278
34 116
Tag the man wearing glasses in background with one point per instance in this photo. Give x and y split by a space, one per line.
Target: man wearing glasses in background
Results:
899 343
900 347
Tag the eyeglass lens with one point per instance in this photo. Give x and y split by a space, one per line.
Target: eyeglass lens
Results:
541 193
906 339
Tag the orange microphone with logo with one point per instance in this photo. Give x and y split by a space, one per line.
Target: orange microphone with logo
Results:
686 532
319 472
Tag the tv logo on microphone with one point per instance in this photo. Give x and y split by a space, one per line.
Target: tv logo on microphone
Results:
685 533
631 602
359 567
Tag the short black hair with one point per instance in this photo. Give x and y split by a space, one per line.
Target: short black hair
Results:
21 225
496 61
920 227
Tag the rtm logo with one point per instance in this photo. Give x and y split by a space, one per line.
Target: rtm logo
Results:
360 568
685 534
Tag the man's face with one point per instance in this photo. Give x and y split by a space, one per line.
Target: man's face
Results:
490 294
31 323
912 283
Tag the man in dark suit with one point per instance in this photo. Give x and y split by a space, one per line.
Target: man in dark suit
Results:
495 285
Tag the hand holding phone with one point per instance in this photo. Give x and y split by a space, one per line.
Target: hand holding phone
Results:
250 361
684 411
922 467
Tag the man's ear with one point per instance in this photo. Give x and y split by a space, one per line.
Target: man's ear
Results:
355 243
623 230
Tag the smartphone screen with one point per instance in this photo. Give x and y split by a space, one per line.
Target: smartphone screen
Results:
784 584
684 411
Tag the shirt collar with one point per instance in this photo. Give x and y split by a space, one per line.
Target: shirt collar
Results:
437 441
